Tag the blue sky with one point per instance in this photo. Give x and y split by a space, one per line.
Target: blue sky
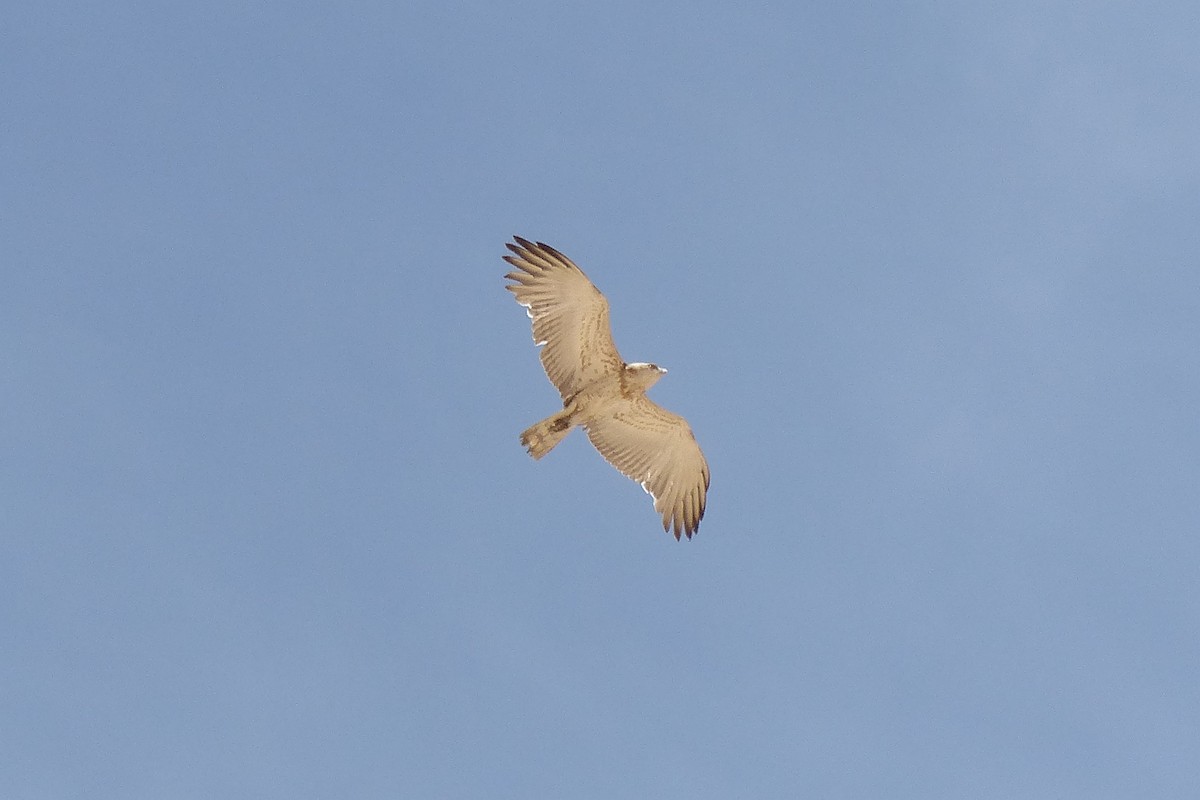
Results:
927 280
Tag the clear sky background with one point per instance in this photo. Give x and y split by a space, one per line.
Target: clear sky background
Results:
927 280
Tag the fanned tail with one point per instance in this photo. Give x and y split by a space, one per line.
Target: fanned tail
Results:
542 438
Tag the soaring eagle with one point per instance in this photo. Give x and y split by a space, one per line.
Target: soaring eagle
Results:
602 393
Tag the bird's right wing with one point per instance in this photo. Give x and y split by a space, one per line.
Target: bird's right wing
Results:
570 316
657 449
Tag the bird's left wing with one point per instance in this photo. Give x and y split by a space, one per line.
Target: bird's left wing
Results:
570 316
657 449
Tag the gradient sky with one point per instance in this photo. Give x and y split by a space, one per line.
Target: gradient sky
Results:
927 280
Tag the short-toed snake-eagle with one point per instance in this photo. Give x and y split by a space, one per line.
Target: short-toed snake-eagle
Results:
602 393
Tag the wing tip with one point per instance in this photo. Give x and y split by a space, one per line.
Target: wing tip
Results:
681 527
525 248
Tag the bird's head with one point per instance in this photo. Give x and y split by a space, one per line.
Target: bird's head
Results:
643 374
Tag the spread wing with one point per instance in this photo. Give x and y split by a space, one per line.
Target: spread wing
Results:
570 316
656 448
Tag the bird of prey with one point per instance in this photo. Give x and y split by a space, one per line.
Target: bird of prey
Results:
600 392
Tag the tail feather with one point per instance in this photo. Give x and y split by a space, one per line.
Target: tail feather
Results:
542 437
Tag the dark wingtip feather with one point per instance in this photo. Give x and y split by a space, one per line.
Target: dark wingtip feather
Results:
566 261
